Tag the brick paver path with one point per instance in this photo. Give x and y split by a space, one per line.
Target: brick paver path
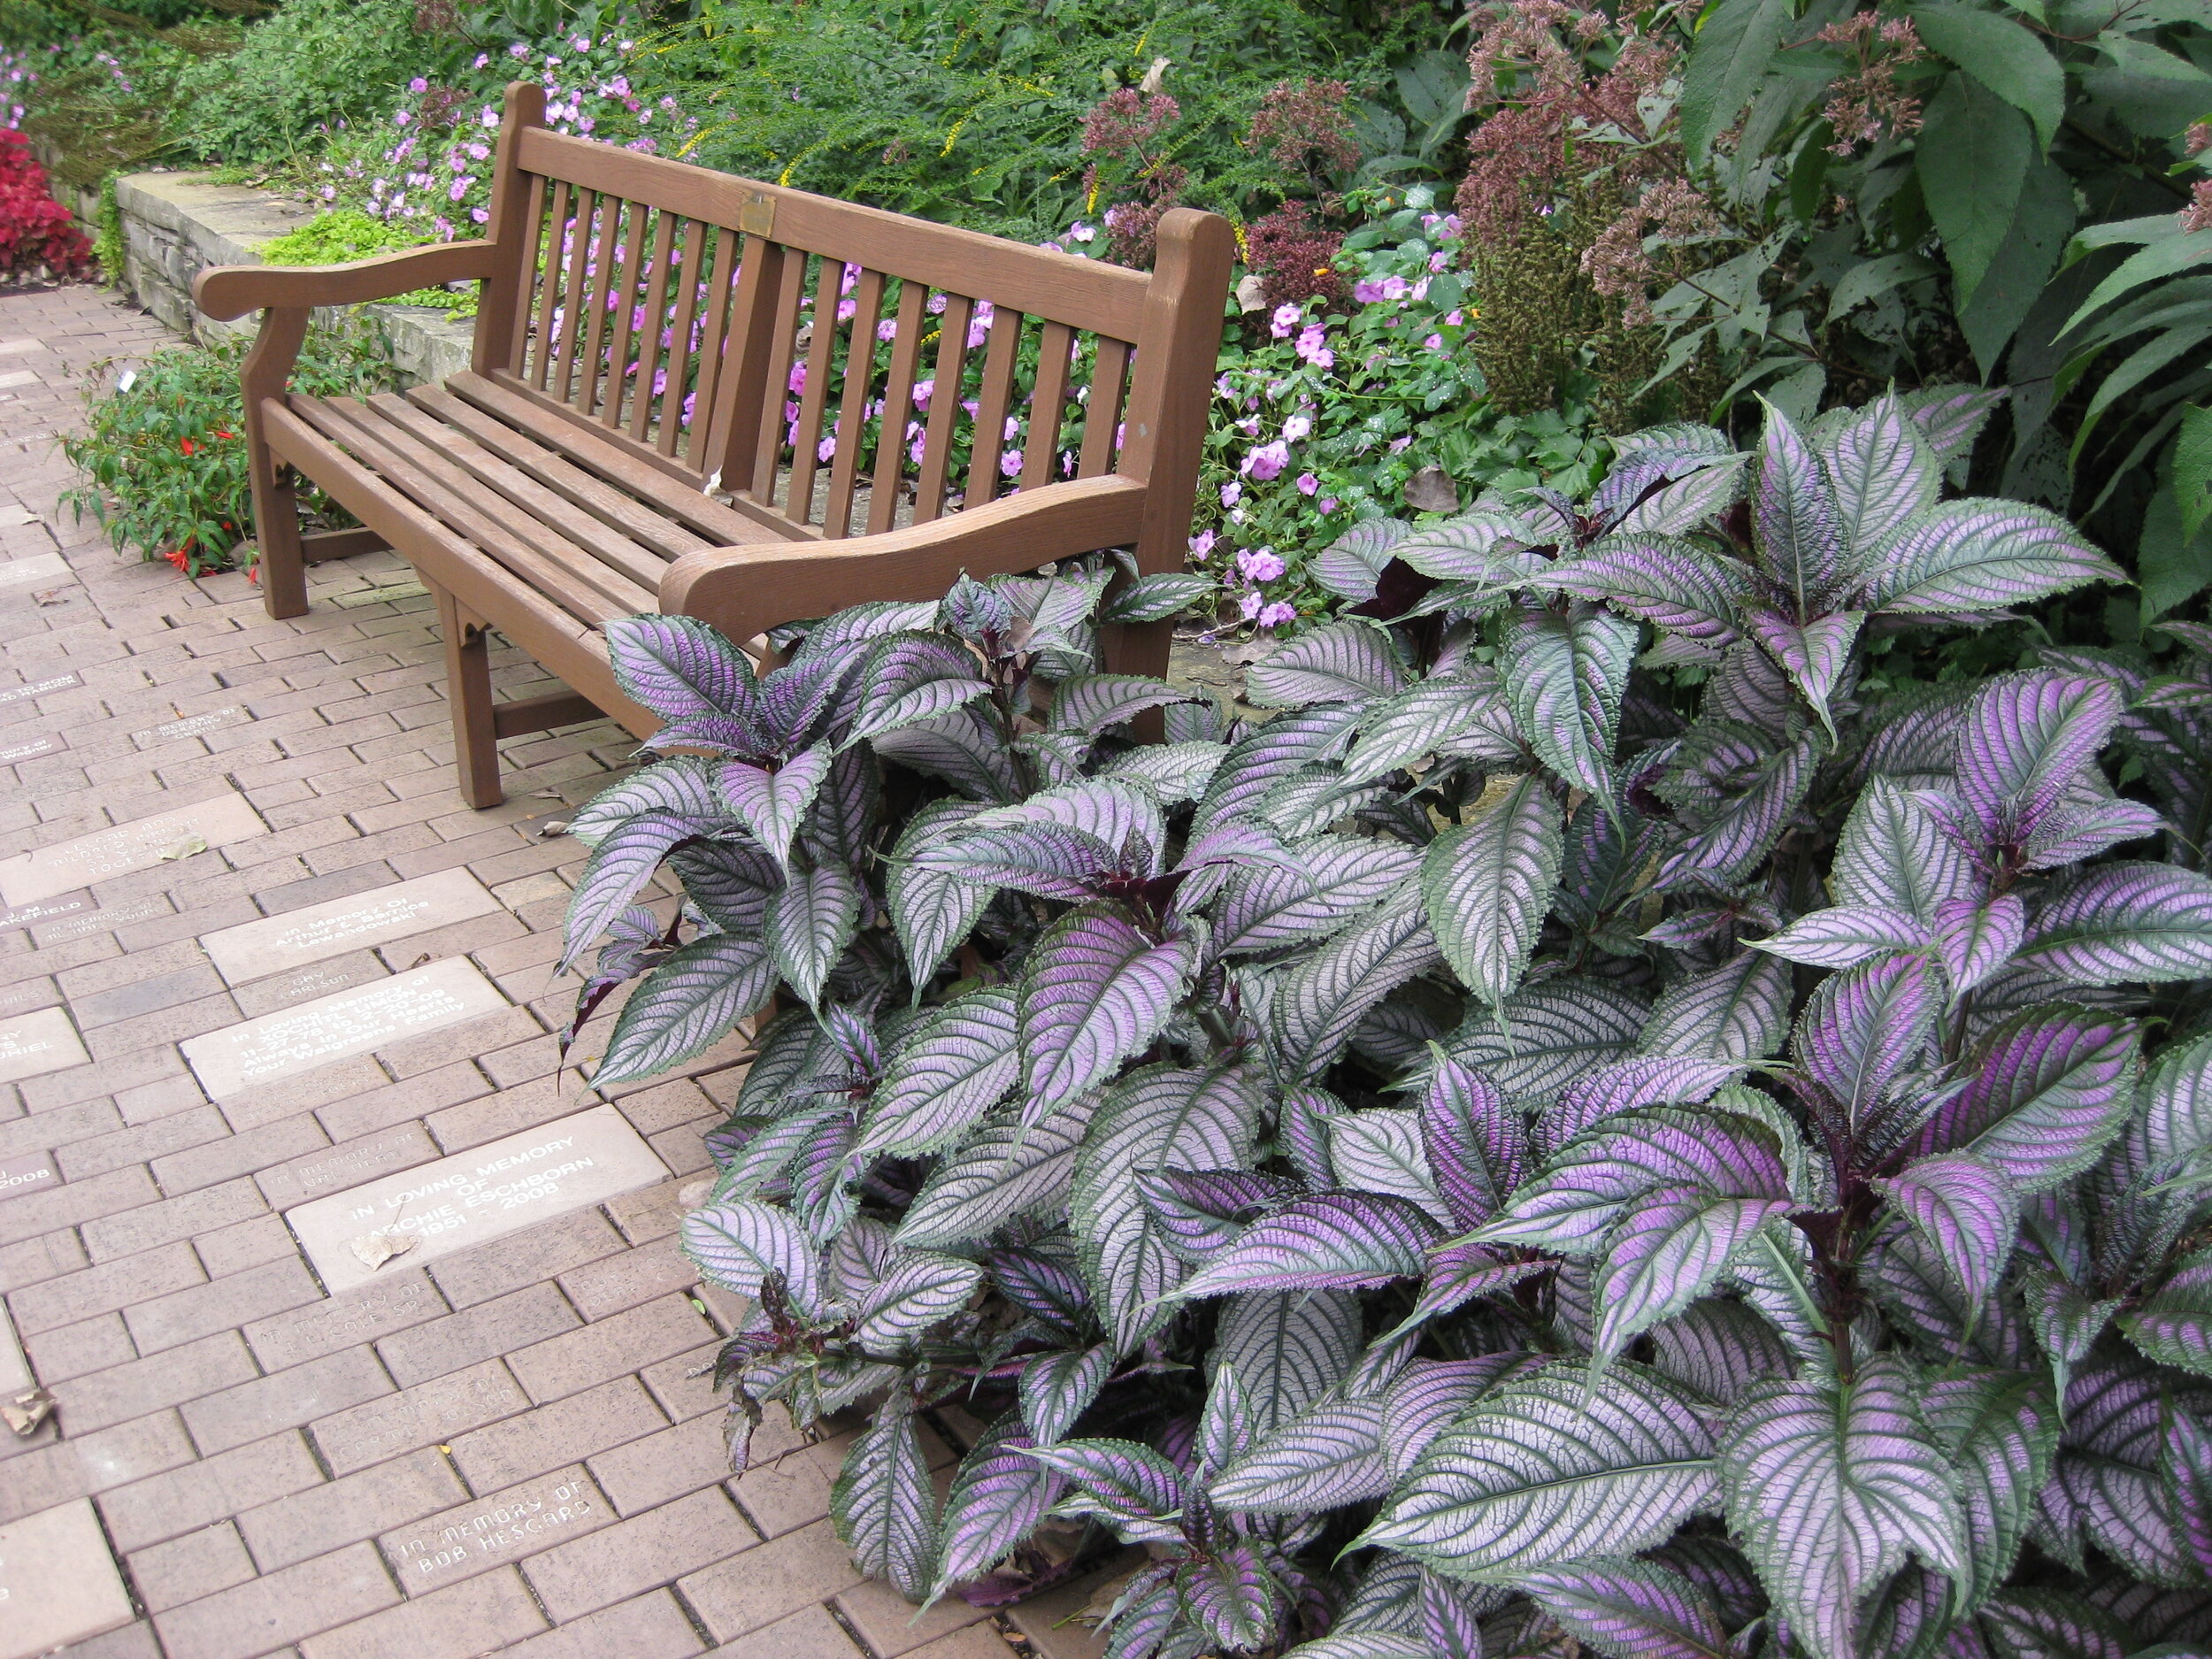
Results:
276 1470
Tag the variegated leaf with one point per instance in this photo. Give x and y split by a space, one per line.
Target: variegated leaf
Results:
1975 940
2174 1324
1965 1210
1554 1031
2026 738
1057 1388
932 912
679 667
1288 1348
773 803
1815 654
1978 556
1349 661
1669 1247
1844 935
912 677
1999 1431
1004 1169
1564 674
1399 729
1381 1150
2046 1090
1323 884
1330 1456
1882 474
1488 883
1475 1143
1739 1012
1320 1002
1893 855
1628 1609
1092 702
811 918
918 1293
686 1006
885 1504
1797 522
1863 1027
738 1243
619 866
1329 1239
954 1068
998 1498
1095 990
2125 923
1671 583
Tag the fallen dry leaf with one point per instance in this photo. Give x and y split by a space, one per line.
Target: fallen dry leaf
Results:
186 848
27 1411
374 1249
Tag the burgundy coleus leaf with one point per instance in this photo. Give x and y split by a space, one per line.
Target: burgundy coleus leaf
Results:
1637 1610
2026 738
679 668
1831 1485
2046 1091
772 804
1329 1239
1584 1190
1974 941
1565 673
1815 654
2125 923
999 1497
1095 990
1862 1028
1669 583
1965 1210
1476 1142
1123 1483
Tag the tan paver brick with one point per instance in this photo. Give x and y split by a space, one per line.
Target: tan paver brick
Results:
478 1615
357 1316
286 1400
150 1511
499 1326
501 1266
621 1342
133 1389
353 1508
549 1436
808 1633
104 1289
652 1549
86 1465
220 1303
186 1569
770 1581
438 1410
645 1627
666 1465
255 1618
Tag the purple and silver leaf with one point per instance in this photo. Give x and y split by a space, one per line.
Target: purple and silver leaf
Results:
1672 584
1255 764
1757 785
1124 817
1797 524
1451 1616
1174 772
1159 597
1883 476
1288 1348
1483 546
1330 1456
619 866
1321 1002
1627 1085
1345 1240
1815 654
1156 1119
1320 886
1089 703
950 1070
1895 856
1231 1598
1546 1035
773 803
686 1006
998 1498
1975 940
2026 738
2027 1622
1553 1467
1974 556
2109 1485
1720 1347
683 784
1351 565
1627 1609
962 747
931 912
1381 1150
1844 935
1049 860
885 1504
729 880
1004 1169
1950 416
918 1293
811 918
910 678
1349 661
2046 1090
1095 990
1667 1249
1585 1189
1430 1395
740 1242
1738 1013
1965 1210
2173 1325
1120 1481
679 668
1999 1431
1302 1132
1201 1210
1149 1609
1566 674
1057 1388
2188 1464
1488 883
1045 1286
1830 1487
2072 832
1460 1271
1861 1028
1477 1143
1398 730
2127 924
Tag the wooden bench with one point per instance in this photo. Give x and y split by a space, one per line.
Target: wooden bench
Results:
666 405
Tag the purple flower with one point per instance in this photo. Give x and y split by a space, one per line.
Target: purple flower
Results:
824 451
1327 503
796 381
1260 565
1249 604
1366 291
1286 318
1009 464
517 50
888 329
922 390
1454 318
481 215
1232 493
419 85
1267 461
399 118
1434 342
1296 427
1313 348
1276 615
1307 483
481 59
1202 543
1394 288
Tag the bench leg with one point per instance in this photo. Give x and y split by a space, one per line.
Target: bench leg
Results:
276 516
468 677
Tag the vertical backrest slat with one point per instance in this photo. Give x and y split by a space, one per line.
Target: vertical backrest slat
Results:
1046 403
782 347
944 407
994 402
612 213
739 394
852 414
589 205
556 217
814 396
502 310
1103 413
714 328
898 406
691 262
656 319
622 333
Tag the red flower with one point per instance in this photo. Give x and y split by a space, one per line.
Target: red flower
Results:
188 446
225 434
180 556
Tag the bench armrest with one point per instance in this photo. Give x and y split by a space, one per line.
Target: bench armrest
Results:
226 291
747 590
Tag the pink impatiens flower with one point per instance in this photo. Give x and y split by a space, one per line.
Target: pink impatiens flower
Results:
1286 318
1307 483
1276 615
1267 461
1263 564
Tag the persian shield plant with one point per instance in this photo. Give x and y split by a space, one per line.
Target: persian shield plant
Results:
1482 1160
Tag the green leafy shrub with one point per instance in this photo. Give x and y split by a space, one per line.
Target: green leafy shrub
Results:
345 234
316 64
163 453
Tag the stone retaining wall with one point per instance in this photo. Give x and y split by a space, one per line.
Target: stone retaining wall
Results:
175 225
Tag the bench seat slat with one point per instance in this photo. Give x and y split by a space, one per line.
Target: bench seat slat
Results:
399 464
639 565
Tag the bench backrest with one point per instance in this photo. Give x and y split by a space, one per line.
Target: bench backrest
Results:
809 355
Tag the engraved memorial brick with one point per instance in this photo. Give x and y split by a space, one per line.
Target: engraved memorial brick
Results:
486 1193
40 569
42 688
377 917
339 1026
39 1043
490 1531
126 848
31 1173
57 1581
